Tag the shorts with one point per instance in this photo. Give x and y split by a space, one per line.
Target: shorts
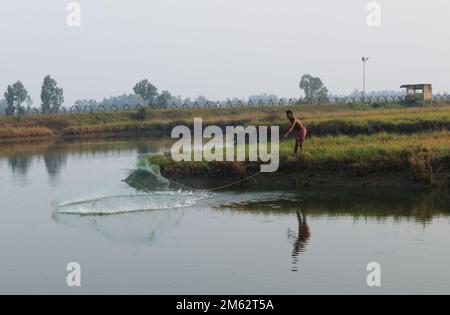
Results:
300 134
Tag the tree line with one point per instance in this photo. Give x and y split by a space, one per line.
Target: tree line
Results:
313 88
17 99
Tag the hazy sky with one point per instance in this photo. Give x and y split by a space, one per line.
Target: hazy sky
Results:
222 48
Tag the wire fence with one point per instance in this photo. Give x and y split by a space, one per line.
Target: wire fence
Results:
373 100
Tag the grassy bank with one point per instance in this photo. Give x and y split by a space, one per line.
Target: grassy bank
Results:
421 158
340 119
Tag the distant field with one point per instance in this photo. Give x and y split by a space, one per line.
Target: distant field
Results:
321 120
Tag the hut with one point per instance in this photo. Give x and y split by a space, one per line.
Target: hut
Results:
418 93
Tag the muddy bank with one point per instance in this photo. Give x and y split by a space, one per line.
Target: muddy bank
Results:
289 180
417 168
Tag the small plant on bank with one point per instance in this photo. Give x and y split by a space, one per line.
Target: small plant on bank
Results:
143 113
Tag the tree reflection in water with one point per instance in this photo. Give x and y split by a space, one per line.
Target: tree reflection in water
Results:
54 162
20 164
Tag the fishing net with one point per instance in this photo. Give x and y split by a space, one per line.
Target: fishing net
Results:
146 178
144 189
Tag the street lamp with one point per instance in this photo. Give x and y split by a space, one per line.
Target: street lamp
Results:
364 60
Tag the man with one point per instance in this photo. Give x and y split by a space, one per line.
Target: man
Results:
299 130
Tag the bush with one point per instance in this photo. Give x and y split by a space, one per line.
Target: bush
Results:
142 113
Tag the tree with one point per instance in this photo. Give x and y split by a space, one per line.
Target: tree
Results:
2 105
313 87
9 98
322 94
162 100
146 90
51 96
128 99
81 104
264 98
15 96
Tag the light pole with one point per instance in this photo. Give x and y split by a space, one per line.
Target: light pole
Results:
364 60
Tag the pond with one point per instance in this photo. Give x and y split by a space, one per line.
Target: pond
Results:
182 242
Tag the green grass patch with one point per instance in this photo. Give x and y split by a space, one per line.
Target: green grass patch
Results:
421 156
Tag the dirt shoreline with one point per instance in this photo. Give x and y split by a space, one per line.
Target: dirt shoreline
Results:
285 180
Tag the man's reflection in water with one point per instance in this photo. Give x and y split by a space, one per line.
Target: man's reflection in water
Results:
300 239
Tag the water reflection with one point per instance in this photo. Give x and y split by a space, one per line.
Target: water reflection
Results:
20 164
54 162
299 239
222 244
380 205
136 228
143 149
374 206
56 153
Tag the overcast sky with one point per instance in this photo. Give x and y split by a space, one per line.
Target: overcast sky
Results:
222 48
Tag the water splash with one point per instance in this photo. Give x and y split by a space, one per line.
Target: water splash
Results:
132 202
147 177
114 195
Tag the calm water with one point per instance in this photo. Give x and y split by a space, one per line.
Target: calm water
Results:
234 242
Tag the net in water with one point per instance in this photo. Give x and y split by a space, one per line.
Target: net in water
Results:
147 177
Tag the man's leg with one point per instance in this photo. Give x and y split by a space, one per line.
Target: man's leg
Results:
301 145
296 147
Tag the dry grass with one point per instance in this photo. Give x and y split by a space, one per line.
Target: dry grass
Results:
12 133
320 119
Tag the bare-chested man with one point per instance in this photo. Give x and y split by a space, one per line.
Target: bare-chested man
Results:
299 129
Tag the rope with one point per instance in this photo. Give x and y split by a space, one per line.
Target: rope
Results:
216 188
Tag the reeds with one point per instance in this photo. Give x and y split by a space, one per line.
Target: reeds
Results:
13 133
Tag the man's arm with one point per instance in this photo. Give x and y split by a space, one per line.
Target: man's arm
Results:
291 128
